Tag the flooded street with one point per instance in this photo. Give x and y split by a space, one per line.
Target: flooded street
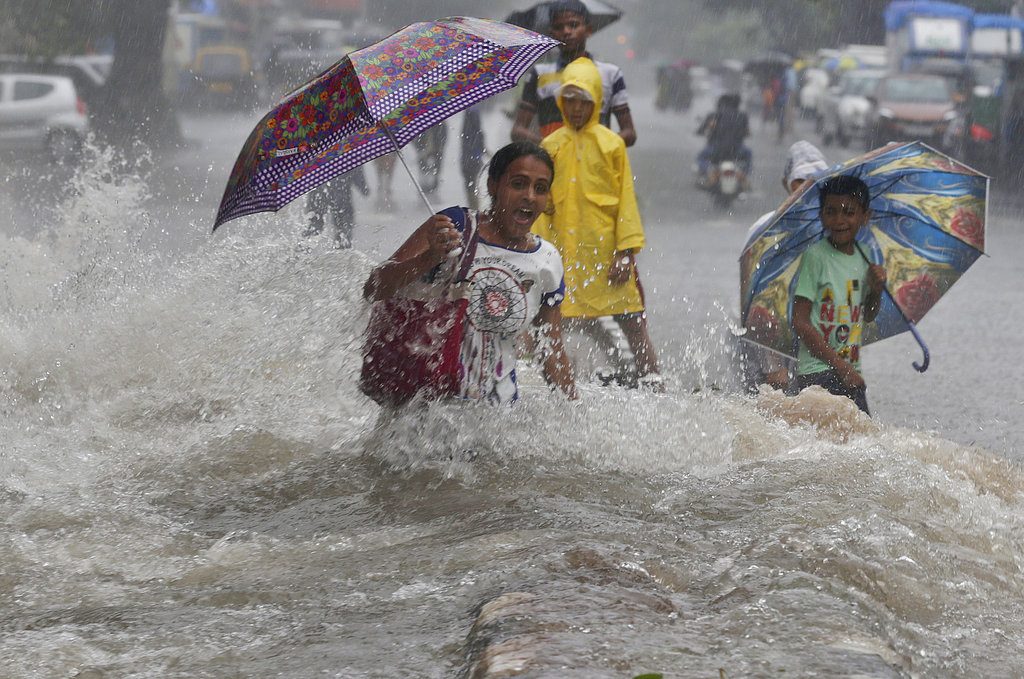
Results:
689 267
192 485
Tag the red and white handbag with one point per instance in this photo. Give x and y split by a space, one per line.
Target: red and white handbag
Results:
414 346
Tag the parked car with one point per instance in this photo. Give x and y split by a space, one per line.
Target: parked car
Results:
41 113
867 56
288 68
302 49
911 106
843 110
88 72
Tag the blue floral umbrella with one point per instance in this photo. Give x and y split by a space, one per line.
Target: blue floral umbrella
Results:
927 226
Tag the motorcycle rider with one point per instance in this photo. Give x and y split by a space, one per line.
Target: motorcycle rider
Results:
726 128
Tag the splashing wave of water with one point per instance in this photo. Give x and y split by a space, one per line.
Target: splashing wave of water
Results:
193 486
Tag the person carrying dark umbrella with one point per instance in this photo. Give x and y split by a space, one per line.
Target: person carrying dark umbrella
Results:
570 23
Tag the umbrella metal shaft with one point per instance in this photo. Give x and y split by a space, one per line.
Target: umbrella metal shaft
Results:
408 169
456 251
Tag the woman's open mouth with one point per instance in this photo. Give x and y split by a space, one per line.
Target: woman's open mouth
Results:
524 216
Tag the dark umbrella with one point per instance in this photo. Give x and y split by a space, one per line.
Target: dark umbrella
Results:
538 17
374 101
769 65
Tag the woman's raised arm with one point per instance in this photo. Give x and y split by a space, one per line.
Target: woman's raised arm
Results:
427 247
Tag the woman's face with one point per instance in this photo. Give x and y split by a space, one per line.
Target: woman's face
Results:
520 195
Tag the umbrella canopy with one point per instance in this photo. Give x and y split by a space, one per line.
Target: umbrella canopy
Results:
770 59
770 65
375 100
538 17
927 227
841 63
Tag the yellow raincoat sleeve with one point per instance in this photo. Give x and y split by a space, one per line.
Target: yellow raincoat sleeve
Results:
629 231
543 226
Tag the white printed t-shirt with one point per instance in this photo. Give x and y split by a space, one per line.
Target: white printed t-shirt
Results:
507 290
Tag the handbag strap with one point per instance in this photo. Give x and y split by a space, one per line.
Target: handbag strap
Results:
470 238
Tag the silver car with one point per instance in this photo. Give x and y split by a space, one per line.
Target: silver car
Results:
41 113
845 107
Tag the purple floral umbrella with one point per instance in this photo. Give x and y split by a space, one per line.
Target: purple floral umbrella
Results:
374 101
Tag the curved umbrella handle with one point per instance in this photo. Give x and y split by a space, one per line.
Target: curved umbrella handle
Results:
924 347
919 367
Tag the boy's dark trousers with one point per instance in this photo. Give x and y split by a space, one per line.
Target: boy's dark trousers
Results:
830 381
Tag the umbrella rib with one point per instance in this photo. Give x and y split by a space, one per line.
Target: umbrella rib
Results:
796 245
756 280
767 228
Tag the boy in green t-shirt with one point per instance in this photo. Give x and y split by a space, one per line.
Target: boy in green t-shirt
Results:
838 290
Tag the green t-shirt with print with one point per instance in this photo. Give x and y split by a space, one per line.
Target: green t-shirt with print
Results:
835 283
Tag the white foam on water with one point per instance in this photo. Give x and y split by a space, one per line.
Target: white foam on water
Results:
190 476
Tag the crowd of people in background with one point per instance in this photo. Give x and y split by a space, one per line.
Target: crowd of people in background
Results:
557 248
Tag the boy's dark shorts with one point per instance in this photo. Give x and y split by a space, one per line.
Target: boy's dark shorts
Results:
830 381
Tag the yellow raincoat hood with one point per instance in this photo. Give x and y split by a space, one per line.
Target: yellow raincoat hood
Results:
583 74
593 211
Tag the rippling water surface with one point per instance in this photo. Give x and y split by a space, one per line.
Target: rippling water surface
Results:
192 486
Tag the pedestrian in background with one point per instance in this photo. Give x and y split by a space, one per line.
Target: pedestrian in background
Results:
334 200
570 24
471 159
789 85
430 155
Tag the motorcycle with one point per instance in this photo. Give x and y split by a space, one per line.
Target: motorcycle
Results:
725 180
722 163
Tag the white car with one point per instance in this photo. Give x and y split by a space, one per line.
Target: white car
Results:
41 113
843 111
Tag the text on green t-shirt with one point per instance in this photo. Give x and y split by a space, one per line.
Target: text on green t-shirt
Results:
835 283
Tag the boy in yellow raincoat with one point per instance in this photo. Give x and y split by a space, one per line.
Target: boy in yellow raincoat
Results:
595 222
